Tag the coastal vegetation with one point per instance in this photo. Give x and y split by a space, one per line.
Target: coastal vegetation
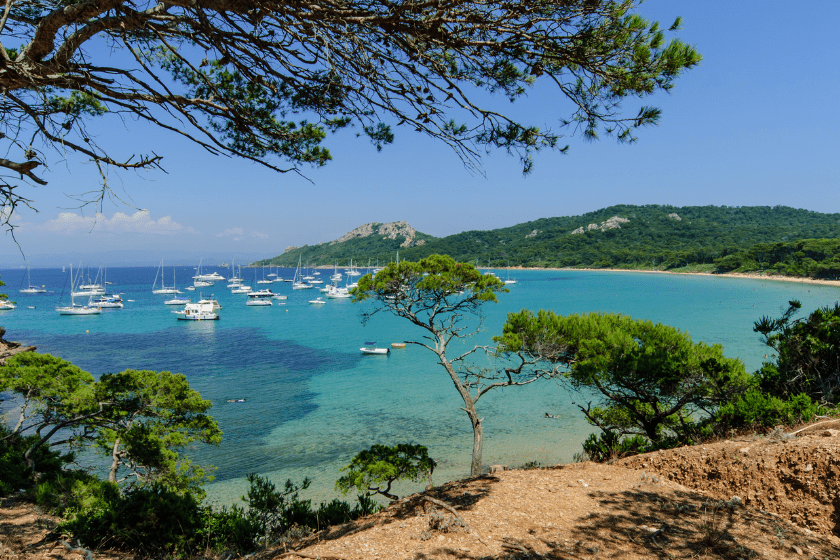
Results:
770 240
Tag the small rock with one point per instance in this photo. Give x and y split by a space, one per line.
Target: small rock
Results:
809 467
497 468
744 451
831 433
796 549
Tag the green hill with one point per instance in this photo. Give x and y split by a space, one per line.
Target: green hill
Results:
624 236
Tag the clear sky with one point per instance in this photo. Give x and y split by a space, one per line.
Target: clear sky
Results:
755 124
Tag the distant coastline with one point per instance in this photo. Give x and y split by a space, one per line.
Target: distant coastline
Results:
747 275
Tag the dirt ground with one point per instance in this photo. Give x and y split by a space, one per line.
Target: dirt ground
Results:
741 499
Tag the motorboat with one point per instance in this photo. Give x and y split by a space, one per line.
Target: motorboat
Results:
258 302
317 301
264 293
241 289
212 277
279 296
107 302
197 312
202 283
370 348
30 289
210 301
177 301
6 305
338 293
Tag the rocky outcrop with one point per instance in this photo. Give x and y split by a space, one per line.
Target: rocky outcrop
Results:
532 234
9 349
391 230
613 223
675 217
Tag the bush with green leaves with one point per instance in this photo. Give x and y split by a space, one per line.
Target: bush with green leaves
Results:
756 409
14 473
374 470
807 354
609 445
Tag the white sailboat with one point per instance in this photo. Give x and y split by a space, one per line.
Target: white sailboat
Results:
298 283
30 289
163 289
74 309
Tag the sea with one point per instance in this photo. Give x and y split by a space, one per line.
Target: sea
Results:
312 400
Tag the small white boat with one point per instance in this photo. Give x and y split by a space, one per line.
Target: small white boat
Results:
266 293
190 288
30 289
279 296
6 304
177 301
197 312
243 289
258 302
107 302
373 350
317 301
74 309
214 303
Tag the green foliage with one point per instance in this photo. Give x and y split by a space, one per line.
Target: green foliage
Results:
650 379
381 465
140 419
755 409
609 445
430 282
706 238
807 354
148 521
14 474
275 513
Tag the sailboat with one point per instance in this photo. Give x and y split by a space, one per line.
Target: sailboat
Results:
163 289
298 283
30 289
74 309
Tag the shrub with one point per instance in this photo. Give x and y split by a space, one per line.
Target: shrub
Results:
14 474
609 445
757 409
149 521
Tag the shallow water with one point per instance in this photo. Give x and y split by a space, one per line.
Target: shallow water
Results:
313 401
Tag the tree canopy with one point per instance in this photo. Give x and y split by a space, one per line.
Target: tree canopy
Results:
268 81
650 379
445 298
140 419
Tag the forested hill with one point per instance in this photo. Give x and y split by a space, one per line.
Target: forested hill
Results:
650 236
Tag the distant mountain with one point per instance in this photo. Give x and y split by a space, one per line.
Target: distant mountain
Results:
649 236
367 242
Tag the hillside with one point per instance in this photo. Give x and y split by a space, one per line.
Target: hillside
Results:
752 497
650 236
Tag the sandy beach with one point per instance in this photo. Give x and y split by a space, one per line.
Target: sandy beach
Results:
750 276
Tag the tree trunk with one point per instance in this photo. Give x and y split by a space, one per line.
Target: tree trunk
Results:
115 462
478 443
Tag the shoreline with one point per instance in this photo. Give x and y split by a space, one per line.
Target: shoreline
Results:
746 275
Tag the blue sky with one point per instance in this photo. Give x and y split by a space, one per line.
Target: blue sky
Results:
754 124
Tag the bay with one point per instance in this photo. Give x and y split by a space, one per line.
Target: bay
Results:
313 401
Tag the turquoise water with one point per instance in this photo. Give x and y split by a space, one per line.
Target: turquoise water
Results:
313 401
